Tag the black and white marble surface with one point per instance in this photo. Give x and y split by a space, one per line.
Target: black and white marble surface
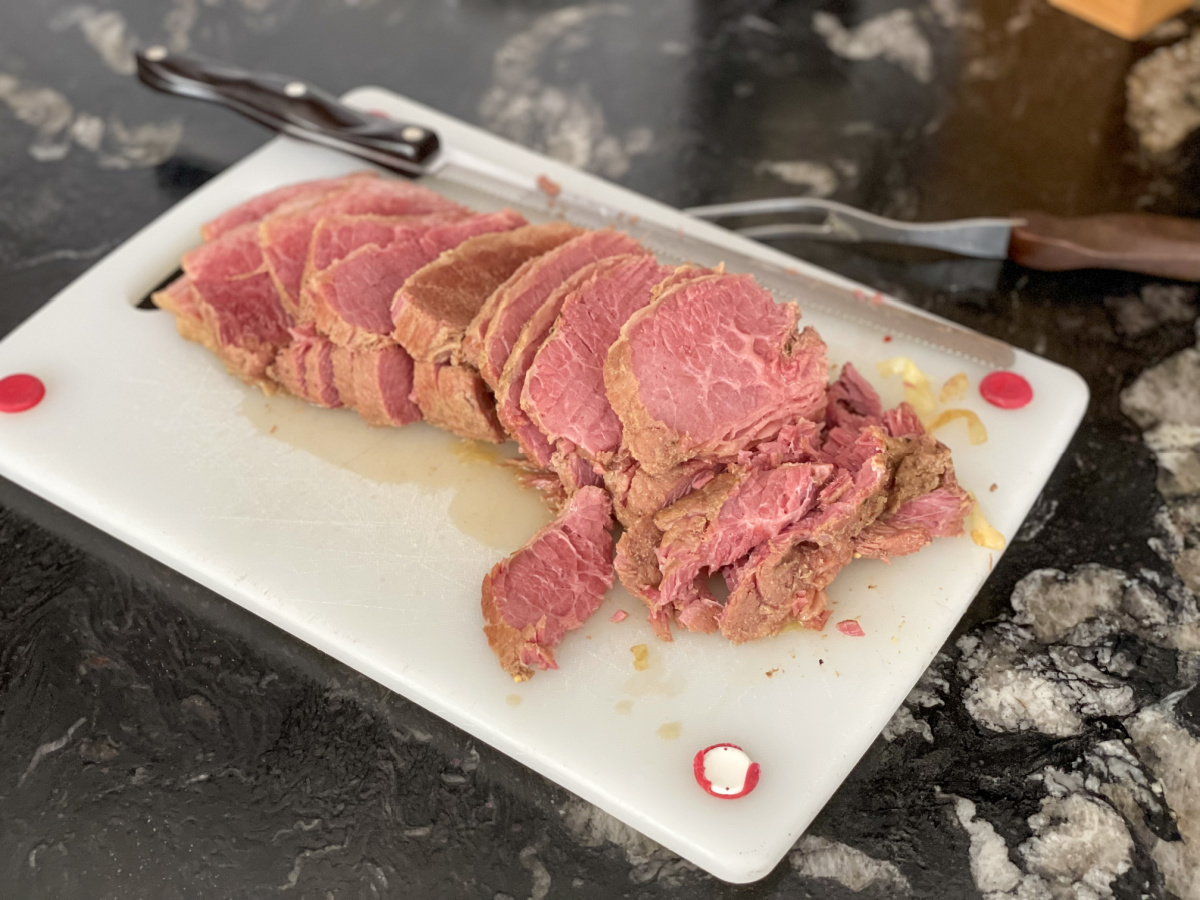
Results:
157 741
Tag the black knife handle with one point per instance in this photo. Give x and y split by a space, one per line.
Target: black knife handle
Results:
291 107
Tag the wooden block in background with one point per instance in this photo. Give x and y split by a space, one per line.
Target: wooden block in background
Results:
1129 19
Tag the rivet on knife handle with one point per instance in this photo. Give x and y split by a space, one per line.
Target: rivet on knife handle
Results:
291 107
1162 246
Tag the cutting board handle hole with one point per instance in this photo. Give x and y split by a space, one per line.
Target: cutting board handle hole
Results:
145 303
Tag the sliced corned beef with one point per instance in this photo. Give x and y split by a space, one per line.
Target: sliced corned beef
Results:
289 370
178 298
337 236
319 378
304 368
710 367
544 482
785 579
456 399
903 421
722 522
564 388
432 310
494 331
263 205
938 513
536 447
378 384
636 493
924 501
636 564
853 403
796 442
237 302
285 235
352 298
550 586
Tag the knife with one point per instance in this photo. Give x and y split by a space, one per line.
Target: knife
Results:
1163 246
303 111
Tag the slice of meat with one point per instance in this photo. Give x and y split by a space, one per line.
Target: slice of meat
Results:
263 205
529 438
337 236
433 309
719 524
939 513
456 399
903 421
550 586
564 388
378 384
853 403
637 494
494 331
544 482
286 234
237 302
178 298
796 442
924 501
304 368
352 298
636 565
785 579
710 367
289 368
319 378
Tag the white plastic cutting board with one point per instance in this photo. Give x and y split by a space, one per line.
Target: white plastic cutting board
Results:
370 544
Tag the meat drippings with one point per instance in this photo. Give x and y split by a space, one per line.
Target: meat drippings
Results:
488 504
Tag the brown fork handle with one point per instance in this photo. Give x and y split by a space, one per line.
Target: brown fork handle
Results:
1165 246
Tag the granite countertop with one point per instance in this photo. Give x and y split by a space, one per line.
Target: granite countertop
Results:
158 741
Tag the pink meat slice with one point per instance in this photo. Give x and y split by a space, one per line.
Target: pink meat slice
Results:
796 442
289 368
378 384
353 297
286 235
436 305
337 236
903 421
711 367
454 398
784 579
938 513
637 494
263 205
853 403
550 586
533 443
636 564
179 299
719 524
564 388
237 302
494 331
